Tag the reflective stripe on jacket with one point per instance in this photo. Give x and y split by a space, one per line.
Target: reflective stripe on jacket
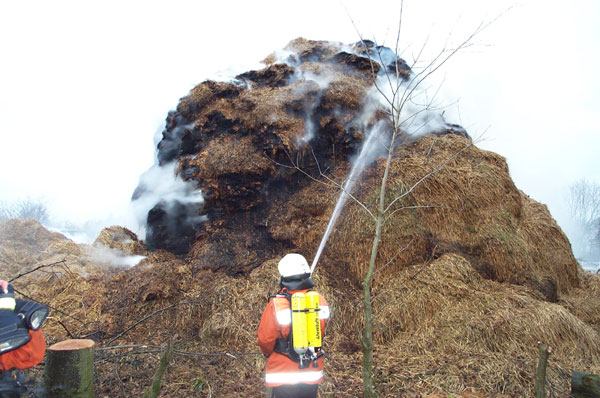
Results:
275 323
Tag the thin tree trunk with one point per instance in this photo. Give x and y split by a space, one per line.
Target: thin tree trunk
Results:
540 376
367 338
154 389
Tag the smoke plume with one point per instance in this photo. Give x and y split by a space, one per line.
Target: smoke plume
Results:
171 204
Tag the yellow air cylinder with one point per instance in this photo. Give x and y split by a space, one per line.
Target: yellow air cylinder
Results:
299 335
313 321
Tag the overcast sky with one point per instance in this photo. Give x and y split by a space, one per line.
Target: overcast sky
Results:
85 85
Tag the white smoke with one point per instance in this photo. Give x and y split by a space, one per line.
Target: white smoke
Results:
163 184
287 57
104 255
307 80
415 98
322 81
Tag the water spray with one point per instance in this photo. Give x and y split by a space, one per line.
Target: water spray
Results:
368 153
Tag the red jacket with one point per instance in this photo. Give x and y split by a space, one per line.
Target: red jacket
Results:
275 323
27 355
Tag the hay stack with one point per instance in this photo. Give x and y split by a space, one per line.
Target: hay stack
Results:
470 207
22 243
471 271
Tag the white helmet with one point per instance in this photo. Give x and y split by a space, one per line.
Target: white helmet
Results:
293 264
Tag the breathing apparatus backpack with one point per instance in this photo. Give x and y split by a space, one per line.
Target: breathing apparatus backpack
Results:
304 341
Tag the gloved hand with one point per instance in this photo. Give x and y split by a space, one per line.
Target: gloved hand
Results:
7 296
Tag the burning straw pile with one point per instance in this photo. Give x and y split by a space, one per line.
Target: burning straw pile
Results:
471 273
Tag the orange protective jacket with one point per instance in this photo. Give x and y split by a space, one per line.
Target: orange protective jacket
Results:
27 355
275 323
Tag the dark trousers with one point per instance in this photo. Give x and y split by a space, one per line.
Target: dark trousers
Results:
296 391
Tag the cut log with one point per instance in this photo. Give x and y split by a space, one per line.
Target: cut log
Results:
585 385
69 370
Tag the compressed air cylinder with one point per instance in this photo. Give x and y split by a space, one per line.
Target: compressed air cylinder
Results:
299 335
313 322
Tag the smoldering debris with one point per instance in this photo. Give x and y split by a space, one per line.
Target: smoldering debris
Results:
104 255
169 207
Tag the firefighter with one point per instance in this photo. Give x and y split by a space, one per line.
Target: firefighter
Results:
22 343
288 337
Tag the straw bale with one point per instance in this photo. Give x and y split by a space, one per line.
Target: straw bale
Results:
345 92
276 106
231 138
121 238
548 248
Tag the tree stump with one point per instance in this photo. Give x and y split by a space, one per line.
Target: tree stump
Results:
69 370
584 385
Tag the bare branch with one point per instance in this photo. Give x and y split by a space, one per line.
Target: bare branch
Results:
391 260
398 40
121 386
388 216
120 347
37 268
64 327
324 179
150 316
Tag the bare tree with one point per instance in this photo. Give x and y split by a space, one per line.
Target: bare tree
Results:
25 209
584 201
596 239
584 206
400 95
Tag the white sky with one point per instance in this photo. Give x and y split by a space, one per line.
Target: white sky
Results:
85 85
